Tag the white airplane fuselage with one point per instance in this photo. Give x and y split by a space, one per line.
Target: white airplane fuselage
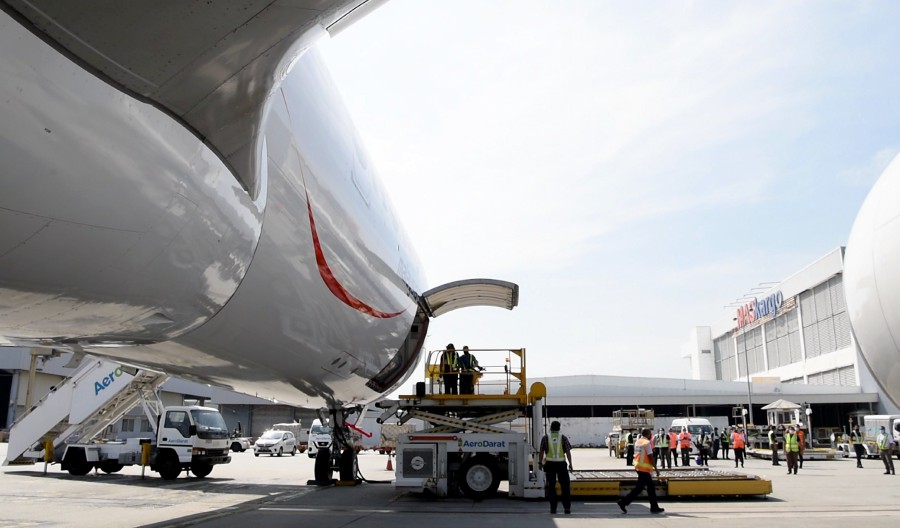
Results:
123 233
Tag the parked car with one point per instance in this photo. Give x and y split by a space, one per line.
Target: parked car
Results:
240 444
276 442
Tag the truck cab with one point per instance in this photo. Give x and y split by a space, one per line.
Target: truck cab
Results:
319 438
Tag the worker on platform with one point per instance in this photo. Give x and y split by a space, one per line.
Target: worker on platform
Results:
684 439
773 445
468 365
629 448
555 450
645 466
791 450
450 369
885 443
738 441
857 438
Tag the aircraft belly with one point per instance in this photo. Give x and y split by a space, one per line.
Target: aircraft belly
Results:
117 225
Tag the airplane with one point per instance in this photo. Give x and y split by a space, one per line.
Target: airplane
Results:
183 189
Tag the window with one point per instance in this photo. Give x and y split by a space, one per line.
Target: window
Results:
127 425
826 325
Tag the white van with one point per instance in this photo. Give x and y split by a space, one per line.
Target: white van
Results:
695 426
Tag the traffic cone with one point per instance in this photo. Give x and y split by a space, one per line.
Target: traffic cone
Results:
390 465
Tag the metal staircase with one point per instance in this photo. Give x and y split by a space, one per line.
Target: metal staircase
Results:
96 396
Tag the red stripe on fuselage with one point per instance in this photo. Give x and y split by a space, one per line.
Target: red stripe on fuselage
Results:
332 283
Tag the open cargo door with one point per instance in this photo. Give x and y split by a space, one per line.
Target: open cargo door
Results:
471 292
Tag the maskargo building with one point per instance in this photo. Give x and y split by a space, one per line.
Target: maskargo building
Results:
796 332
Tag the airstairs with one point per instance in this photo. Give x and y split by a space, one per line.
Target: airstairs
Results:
84 405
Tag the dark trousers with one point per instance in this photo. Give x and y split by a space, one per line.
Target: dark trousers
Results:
738 456
558 471
715 451
466 385
685 456
665 457
888 461
725 450
645 480
860 451
704 456
675 454
450 384
775 454
792 459
629 455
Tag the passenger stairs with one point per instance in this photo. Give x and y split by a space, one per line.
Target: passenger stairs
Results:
84 405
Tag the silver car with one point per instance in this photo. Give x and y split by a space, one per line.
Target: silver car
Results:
276 442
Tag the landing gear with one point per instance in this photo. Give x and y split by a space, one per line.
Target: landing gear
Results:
322 469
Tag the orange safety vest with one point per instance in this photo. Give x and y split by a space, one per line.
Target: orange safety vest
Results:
673 441
642 459
737 441
685 440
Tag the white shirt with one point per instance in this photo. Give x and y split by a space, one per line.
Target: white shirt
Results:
881 438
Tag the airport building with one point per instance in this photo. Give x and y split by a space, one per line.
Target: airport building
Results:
796 332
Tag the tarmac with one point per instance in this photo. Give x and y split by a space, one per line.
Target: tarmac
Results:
272 492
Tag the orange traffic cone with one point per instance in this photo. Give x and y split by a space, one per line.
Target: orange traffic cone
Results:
390 465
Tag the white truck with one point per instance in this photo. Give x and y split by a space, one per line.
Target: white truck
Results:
63 426
873 424
319 438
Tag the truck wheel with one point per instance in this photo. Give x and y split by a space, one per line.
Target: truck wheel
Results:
77 463
322 468
168 466
201 469
479 478
110 466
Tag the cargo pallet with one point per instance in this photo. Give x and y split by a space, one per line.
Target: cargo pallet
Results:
676 482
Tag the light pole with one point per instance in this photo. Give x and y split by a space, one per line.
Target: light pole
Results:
809 424
747 371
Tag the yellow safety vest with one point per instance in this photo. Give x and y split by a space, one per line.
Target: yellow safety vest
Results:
555 451
449 361
856 437
791 443
882 442
642 460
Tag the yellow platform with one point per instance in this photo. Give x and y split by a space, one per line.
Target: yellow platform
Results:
687 482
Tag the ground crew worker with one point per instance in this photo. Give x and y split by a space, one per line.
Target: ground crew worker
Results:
703 447
657 441
773 445
645 466
629 448
725 442
791 450
555 450
802 436
684 438
856 438
715 444
665 458
449 368
673 447
885 443
737 442
467 367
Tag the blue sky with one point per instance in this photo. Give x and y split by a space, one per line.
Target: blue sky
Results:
633 166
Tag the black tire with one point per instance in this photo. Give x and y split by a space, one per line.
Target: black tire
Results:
322 468
77 463
201 469
293 450
236 447
255 454
311 454
280 451
110 466
347 468
479 478
168 466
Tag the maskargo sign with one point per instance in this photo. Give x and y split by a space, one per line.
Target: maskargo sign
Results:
758 308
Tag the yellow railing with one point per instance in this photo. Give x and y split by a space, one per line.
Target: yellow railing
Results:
502 372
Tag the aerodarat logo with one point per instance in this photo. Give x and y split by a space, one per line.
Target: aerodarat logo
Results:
107 381
485 443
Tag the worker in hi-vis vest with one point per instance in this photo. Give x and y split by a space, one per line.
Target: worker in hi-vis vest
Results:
645 466
555 450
